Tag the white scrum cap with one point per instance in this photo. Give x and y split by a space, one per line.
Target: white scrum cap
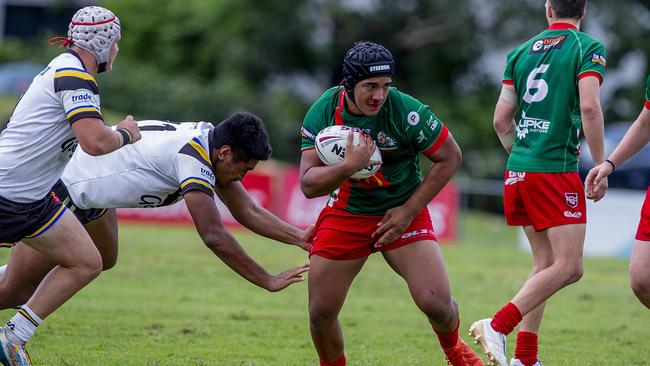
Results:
94 29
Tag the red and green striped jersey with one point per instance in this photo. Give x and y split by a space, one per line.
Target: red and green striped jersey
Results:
545 72
403 128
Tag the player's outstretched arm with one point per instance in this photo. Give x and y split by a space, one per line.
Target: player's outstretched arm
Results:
634 140
445 163
97 139
209 226
594 126
504 114
317 180
258 219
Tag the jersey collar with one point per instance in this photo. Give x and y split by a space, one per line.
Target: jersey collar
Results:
561 26
73 53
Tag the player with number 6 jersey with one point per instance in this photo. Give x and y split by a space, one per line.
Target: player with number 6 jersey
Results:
550 94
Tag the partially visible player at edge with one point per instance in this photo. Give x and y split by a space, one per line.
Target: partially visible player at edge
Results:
634 140
386 212
551 84
60 108
190 161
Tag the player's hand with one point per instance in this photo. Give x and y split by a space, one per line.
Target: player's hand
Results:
358 156
305 239
596 182
284 279
395 221
131 126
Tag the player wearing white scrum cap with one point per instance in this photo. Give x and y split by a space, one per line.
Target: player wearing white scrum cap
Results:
59 110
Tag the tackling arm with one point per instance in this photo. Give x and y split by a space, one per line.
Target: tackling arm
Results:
258 219
209 226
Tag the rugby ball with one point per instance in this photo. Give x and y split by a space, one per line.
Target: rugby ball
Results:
330 147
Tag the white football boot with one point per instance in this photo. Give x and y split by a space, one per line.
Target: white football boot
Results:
492 342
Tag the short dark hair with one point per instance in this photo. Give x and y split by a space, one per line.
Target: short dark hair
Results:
245 134
568 8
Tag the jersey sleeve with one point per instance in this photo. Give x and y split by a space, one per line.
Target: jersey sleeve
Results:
424 131
77 90
194 169
509 72
593 62
317 118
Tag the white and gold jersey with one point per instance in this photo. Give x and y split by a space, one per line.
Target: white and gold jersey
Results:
170 160
38 140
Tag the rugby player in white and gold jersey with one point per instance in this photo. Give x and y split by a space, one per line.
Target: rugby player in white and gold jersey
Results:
190 161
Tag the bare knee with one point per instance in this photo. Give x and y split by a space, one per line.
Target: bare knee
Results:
321 316
86 267
640 286
571 271
439 309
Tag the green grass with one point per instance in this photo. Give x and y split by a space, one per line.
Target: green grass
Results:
169 301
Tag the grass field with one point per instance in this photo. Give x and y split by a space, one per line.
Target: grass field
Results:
169 301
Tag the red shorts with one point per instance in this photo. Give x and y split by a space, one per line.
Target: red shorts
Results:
543 200
643 232
341 235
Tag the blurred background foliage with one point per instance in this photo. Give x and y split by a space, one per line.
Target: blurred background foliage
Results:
186 60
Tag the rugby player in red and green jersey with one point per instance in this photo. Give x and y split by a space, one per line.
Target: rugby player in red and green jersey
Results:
636 138
551 87
386 212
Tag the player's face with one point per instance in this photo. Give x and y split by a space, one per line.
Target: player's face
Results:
370 94
115 48
227 170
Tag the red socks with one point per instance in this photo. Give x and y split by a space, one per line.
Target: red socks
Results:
506 319
448 340
526 349
339 362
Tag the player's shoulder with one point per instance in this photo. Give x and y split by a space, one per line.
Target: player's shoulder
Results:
329 98
400 102
647 82
68 62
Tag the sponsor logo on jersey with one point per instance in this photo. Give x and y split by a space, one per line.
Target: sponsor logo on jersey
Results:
205 172
547 44
83 96
529 124
385 142
413 118
432 122
572 215
571 199
421 137
379 68
306 133
515 177
596 58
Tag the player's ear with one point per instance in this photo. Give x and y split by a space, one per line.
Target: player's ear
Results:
224 152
